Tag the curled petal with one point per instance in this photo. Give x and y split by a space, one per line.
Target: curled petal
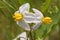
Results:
29 14
32 20
24 25
38 13
37 25
29 19
24 8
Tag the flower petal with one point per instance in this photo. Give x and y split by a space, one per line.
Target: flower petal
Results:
22 36
24 25
37 25
31 20
24 8
29 14
38 13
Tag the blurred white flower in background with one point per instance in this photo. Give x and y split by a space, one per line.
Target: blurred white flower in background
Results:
22 36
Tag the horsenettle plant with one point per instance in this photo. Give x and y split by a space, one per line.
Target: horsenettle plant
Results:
24 17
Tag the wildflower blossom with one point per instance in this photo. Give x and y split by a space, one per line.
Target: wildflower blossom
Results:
23 17
19 16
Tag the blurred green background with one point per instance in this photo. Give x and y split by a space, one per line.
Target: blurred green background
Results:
9 29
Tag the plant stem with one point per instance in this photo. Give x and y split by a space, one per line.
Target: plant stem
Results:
31 37
27 34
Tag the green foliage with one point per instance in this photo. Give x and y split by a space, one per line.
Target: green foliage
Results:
9 29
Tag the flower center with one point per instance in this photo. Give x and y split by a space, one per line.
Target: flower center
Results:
47 20
18 16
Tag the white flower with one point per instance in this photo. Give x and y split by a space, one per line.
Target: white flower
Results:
22 36
28 17
22 10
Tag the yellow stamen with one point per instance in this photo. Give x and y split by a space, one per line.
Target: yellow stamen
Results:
47 20
18 16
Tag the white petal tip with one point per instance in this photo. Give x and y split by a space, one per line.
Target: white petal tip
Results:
27 3
37 12
24 8
28 29
33 8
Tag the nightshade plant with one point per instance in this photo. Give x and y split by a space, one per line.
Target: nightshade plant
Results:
24 17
